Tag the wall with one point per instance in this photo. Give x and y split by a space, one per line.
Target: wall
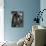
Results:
1 21
29 7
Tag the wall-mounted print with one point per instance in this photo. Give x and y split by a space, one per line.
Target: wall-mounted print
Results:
17 18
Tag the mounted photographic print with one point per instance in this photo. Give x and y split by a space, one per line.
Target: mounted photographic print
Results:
17 19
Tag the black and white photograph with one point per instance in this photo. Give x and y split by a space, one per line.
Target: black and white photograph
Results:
17 19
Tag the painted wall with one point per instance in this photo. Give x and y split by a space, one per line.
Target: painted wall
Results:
29 7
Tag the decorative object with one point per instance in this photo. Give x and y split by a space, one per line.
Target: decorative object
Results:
17 19
39 16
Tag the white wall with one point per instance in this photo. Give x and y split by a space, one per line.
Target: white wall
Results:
1 21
